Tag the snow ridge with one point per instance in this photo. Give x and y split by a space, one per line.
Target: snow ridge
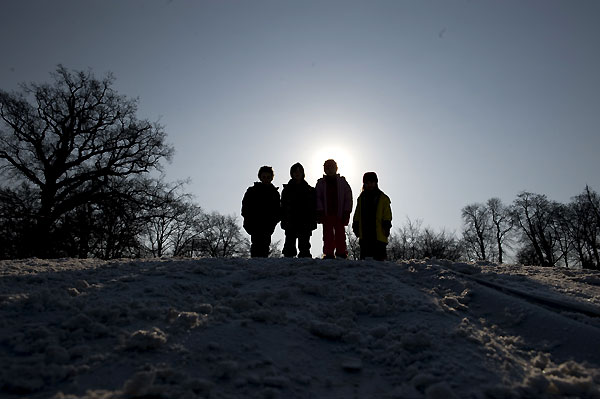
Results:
295 328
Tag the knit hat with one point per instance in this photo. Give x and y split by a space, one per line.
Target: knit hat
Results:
295 166
370 177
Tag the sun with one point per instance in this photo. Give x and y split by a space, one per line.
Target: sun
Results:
343 157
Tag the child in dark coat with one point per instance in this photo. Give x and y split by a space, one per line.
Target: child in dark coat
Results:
298 213
372 219
261 212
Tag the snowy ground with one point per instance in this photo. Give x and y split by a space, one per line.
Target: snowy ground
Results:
299 328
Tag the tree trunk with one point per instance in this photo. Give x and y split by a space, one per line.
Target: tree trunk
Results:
500 252
41 236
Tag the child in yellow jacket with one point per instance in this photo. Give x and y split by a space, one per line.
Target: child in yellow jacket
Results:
372 219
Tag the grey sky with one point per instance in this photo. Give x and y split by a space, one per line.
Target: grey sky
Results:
450 102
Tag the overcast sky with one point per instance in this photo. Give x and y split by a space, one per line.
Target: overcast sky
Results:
450 102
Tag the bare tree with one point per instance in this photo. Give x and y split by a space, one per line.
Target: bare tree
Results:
166 216
353 245
583 223
502 225
551 233
189 228
406 243
535 216
275 249
440 245
562 232
106 228
17 217
69 138
477 231
395 247
412 242
221 237
120 218
593 201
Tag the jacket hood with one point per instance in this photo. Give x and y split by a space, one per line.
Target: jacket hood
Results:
295 166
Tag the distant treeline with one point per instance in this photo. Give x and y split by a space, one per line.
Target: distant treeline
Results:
77 169
534 230
540 231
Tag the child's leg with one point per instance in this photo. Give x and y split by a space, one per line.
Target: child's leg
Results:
341 251
260 245
304 244
329 236
367 248
380 251
289 248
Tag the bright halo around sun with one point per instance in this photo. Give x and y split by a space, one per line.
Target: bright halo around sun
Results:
344 159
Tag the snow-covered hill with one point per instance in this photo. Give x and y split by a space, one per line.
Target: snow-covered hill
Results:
299 328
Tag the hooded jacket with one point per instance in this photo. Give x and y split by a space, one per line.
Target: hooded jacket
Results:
383 216
261 209
298 202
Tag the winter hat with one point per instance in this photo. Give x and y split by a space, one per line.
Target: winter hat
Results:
295 166
370 177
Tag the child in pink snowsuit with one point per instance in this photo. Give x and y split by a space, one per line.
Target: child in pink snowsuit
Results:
334 205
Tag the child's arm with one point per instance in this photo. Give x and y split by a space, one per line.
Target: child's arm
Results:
356 219
347 197
320 200
347 202
386 223
247 209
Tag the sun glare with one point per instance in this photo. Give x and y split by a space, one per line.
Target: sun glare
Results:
343 157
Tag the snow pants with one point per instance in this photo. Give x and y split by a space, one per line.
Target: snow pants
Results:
334 237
